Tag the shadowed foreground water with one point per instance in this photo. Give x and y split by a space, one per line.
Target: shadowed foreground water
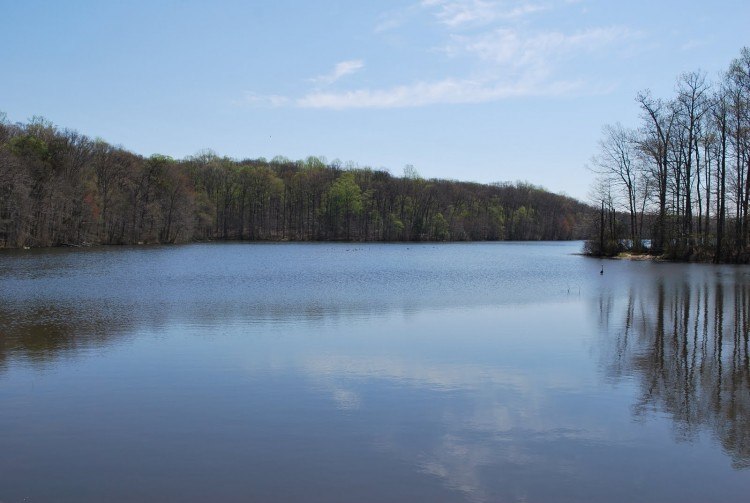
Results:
318 372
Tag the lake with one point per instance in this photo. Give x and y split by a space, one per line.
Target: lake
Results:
482 372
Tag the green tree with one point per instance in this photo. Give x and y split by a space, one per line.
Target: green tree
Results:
344 202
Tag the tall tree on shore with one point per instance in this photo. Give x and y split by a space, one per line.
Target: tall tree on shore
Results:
690 108
619 164
719 116
738 84
659 119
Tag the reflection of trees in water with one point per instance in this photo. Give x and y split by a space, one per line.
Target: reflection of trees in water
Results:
39 334
43 331
686 340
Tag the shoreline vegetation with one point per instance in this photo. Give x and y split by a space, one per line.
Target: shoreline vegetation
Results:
61 188
678 185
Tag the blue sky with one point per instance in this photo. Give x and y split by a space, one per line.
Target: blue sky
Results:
480 90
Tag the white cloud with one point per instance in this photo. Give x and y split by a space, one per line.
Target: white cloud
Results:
693 44
534 54
272 100
340 70
430 93
388 23
514 64
395 18
454 13
506 57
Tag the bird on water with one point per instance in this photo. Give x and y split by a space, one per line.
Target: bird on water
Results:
602 271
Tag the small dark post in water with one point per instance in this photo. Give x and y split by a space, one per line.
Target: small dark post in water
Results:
601 233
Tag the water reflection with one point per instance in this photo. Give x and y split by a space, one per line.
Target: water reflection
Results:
41 333
54 301
455 373
684 335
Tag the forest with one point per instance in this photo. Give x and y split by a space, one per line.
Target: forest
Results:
678 184
61 188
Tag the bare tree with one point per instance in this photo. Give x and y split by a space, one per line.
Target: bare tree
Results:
618 162
659 120
690 106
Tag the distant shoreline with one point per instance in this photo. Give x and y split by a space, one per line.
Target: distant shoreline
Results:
62 188
644 257
89 246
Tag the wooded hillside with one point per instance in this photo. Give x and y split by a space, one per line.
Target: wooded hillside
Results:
58 187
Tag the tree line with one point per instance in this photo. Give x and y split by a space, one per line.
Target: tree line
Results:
681 178
59 187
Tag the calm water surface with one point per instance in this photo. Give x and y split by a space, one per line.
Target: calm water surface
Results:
339 372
